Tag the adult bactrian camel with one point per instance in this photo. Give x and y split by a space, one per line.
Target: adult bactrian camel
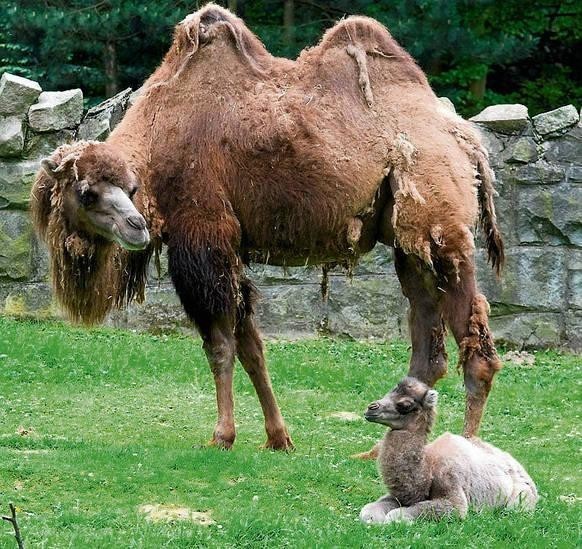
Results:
231 155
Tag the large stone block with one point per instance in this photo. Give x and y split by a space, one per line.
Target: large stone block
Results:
102 118
28 300
56 111
16 179
11 136
566 149
530 330
556 121
507 119
15 246
575 279
537 173
521 150
494 143
161 312
17 94
368 306
40 145
573 330
550 215
290 310
534 279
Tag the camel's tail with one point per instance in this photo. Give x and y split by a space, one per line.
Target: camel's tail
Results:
487 217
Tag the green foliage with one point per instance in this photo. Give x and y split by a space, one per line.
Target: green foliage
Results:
474 51
96 423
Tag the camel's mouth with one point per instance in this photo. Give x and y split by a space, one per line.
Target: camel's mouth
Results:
380 416
132 239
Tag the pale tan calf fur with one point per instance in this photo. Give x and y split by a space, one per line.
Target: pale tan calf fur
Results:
445 477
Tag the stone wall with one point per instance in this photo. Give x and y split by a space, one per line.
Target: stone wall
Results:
537 302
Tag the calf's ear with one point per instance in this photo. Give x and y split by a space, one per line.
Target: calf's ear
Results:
430 399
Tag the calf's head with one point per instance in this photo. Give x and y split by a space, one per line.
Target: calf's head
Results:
410 405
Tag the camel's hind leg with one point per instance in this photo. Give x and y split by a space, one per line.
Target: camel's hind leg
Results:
427 330
466 312
250 353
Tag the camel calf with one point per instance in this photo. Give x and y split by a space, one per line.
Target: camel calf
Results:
441 478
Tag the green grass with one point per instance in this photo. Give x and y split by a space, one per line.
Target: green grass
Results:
120 419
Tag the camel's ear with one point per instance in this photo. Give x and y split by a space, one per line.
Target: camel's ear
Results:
49 166
430 399
56 170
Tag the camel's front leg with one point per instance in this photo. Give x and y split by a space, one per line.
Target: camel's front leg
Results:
219 345
250 353
434 509
428 362
375 512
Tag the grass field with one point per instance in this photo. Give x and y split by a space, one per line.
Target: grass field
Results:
95 424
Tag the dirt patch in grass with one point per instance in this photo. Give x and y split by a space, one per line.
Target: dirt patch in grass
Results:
173 513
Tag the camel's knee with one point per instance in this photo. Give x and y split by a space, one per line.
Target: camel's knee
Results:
477 354
220 353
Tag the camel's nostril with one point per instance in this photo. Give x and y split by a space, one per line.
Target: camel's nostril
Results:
137 222
374 406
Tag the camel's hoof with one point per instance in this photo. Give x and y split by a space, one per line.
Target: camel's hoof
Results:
221 442
282 442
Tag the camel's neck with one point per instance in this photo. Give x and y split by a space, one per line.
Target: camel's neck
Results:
403 465
132 147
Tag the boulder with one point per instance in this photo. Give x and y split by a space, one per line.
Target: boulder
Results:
448 104
39 145
16 180
537 173
549 215
11 136
534 279
56 111
567 149
15 246
523 150
102 118
557 121
17 94
94 129
529 330
503 118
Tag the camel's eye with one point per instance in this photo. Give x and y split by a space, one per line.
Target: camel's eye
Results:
86 196
405 406
132 192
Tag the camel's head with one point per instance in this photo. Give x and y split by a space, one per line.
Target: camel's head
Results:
82 205
94 189
411 402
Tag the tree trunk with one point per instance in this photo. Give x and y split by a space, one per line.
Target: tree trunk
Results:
478 87
289 22
111 69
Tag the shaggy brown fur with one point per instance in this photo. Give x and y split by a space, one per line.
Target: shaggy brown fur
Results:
442 478
243 156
